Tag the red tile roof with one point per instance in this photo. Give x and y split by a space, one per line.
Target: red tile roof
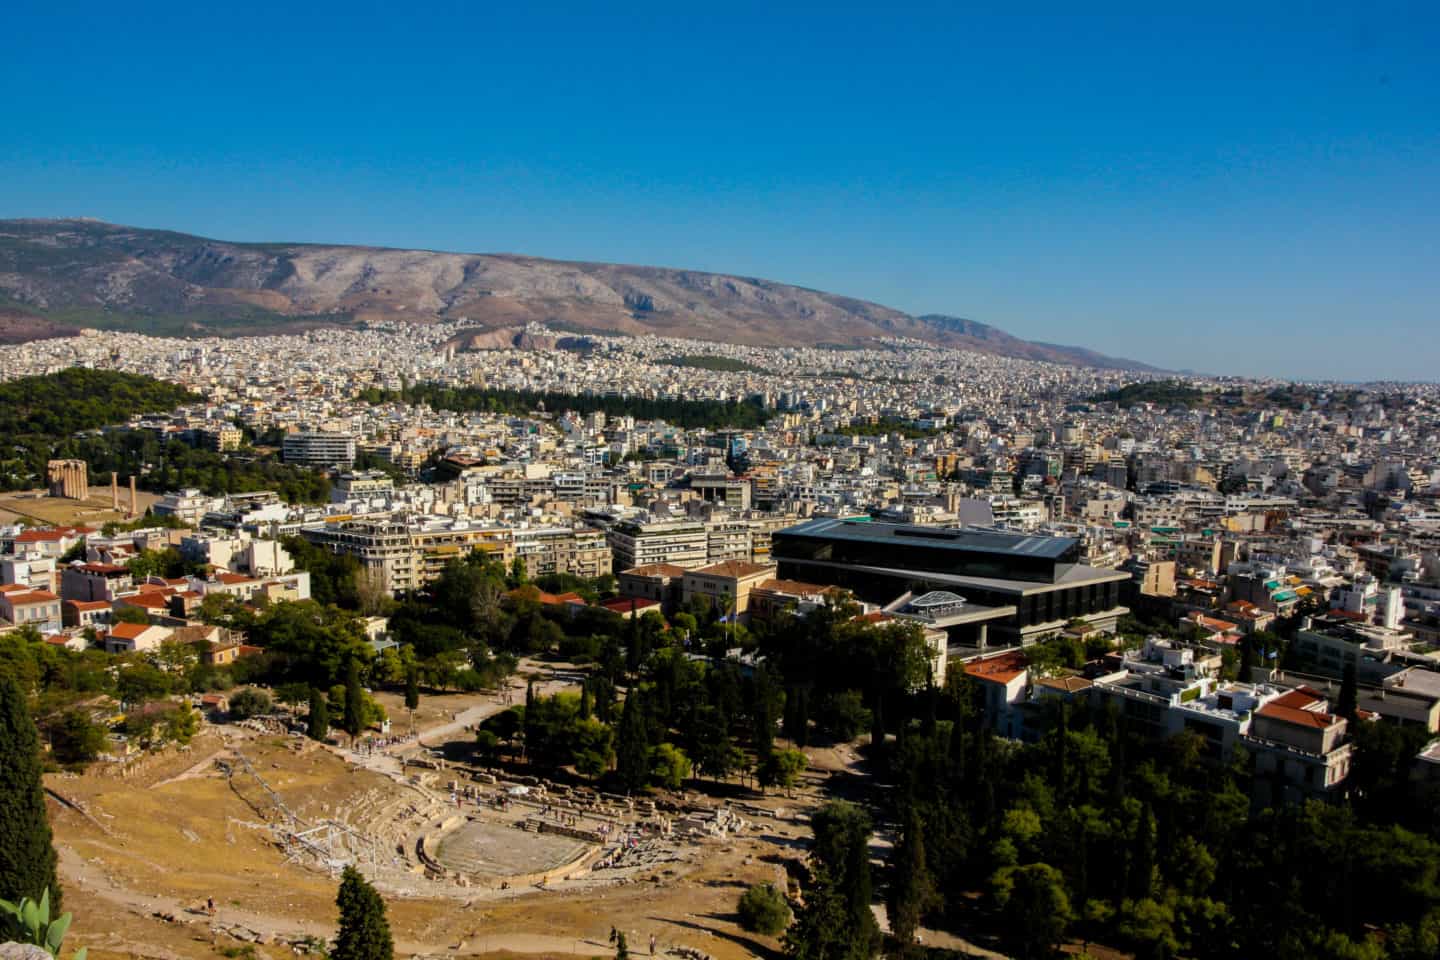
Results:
33 596
149 600
87 604
233 578
1301 698
1001 669
101 568
51 534
129 631
623 604
1298 717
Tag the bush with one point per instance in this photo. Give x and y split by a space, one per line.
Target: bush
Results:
76 739
763 909
250 703
580 649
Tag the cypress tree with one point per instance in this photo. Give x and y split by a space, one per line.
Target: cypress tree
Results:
931 716
797 717
632 751
959 747
364 932
319 724
764 723
528 730
27 856
912 889
842 849
1142 871
1349 693
412 689
792 703
352 722
587 705
1247 659
819 931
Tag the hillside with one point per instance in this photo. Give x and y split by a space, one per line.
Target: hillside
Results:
64 273
59 404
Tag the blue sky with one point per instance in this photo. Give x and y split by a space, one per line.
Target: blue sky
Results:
1251 190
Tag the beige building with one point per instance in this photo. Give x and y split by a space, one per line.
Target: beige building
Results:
1157 578
683 543
128 637
25 607
660 582
726 585
771 597
408 556
580 551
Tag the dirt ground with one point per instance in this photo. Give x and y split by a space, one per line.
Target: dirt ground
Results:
56 511
178 830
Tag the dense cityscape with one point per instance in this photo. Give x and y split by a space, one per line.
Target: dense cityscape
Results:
712 569
504 481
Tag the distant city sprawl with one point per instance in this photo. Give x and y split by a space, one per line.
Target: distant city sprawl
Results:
1098 654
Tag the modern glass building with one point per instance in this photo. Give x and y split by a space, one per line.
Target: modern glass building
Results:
1041 577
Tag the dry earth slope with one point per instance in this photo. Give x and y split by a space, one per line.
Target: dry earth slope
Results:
58 274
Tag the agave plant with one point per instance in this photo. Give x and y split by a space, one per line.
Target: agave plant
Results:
32 922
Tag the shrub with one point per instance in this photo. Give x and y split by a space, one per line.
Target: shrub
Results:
763 909
250 703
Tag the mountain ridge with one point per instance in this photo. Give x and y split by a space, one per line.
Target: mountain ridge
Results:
57 275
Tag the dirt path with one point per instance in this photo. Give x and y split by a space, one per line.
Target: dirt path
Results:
96 883
196 770
386 759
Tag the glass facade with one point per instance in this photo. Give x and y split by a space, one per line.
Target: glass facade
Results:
917 555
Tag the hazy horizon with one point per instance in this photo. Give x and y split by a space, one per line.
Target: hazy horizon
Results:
1242 193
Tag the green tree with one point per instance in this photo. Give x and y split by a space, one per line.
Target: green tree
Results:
842 850
129 614
1142 868
821 930
318 727
139 683
843 715
1247 660
632 752
912 889
75 739
1349 692
412 689
27 855
763 909
250 702
783 768
182 723
354 716
669 766
364 932
1036 908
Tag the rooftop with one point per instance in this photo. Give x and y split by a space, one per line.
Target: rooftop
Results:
999 669
1298 717
969 539
655 570
33 596
737 569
